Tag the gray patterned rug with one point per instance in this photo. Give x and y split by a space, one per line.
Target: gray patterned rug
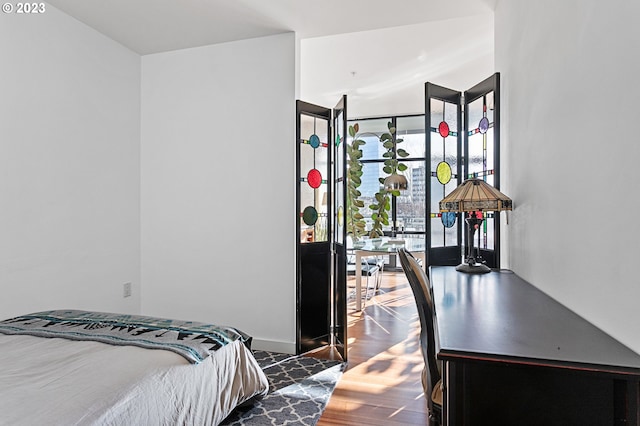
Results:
299 389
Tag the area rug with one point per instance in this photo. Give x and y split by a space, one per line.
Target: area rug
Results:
299 389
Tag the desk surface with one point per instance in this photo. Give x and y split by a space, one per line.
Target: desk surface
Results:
499 316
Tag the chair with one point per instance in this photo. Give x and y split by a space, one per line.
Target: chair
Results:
371 265
376 261
368 269
431 374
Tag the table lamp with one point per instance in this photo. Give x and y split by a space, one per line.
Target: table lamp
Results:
474 196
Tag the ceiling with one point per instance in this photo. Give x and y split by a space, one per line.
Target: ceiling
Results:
383 72
152 26
377 52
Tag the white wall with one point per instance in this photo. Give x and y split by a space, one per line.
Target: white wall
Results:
570 74
69 167
218 199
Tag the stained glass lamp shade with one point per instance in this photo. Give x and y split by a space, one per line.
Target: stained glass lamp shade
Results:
474 196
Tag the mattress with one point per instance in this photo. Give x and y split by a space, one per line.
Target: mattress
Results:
57 381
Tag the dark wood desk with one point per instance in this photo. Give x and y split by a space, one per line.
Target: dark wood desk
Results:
514 356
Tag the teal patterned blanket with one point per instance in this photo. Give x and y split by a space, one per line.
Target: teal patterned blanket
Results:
193 340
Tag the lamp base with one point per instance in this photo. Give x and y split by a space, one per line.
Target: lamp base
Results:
476 268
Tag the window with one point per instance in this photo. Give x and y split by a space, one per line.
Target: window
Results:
408 211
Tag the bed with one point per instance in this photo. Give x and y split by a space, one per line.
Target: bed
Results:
70 367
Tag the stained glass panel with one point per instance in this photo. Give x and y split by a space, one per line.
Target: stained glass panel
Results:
313 169
339 195
443 169
481 145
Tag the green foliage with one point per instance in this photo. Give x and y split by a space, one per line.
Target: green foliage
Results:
392 165
382 204
354 219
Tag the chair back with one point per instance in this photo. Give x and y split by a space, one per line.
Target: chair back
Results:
421 289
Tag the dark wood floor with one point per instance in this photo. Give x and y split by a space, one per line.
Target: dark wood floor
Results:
381 385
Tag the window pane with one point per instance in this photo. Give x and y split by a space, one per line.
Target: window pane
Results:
370 185
409 210
411 130
411 204
369 131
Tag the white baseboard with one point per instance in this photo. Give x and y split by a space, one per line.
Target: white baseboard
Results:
273 346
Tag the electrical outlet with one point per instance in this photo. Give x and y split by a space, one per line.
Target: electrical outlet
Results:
126 290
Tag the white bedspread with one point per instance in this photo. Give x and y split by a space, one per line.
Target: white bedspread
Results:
52 381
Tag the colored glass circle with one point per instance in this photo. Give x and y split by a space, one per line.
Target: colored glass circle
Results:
443 172
448 219
309 215
314 178
483 125
443 129
314 141
340 215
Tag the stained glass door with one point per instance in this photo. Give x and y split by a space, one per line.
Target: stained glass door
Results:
462 143
482 151
339 273
443 127
320 249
